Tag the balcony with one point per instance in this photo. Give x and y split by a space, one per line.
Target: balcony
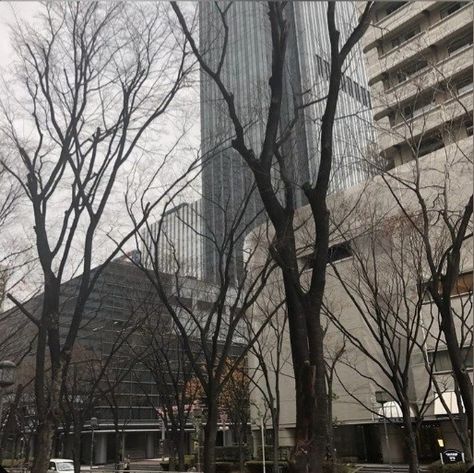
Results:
393 21
418 44
430 120
383 100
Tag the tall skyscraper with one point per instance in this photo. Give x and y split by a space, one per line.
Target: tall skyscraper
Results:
227 182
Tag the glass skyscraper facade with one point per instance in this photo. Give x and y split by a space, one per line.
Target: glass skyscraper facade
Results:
227 181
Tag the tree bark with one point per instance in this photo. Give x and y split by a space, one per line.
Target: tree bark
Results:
76 448
410 439
210 437
44 439
181 449
462 377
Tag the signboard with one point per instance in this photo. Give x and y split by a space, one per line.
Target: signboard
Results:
451 456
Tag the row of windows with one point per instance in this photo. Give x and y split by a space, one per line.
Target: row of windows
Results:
442 360
415 28
349 86
424 103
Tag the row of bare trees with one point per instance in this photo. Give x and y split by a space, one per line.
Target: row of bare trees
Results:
93 90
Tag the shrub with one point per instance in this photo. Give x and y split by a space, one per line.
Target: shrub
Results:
226 467
437 467
256 466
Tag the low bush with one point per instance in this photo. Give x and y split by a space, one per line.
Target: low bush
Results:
256 466
438 467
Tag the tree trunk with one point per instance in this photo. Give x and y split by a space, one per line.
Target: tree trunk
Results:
76 448
463 428
241 438
310 385
276 442
461 376
181 448
210 437
42 446
410 439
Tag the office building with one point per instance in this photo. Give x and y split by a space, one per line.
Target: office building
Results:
227 181
121 314
175 243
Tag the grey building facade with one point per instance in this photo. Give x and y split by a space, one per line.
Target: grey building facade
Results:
178 241
227 183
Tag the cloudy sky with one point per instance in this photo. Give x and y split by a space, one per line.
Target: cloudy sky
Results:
21 229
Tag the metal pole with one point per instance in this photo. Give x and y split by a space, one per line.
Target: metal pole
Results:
386 438
263 445
92 447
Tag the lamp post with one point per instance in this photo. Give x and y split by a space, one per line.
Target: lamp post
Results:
94 424
382 397
261 425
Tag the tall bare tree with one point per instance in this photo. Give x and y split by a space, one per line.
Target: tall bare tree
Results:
91 81
208 317
383 285
303 302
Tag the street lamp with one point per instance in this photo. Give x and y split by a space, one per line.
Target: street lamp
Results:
260 424
94 424
382 397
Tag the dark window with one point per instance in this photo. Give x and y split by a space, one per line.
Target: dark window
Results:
411 69
430 144
442 361
394 7
449 9
405 36
459 43
464 84
468 125
418 107
340 251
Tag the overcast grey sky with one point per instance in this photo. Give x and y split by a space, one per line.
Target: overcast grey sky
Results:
166 134
8 12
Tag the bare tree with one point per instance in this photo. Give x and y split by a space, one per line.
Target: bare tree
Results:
383 284
445 228
93 79
303 302
272 361
208 317
171 372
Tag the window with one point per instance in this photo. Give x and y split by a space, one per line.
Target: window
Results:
442 361
449 9
463 84
430 144
335 253
418 107
394 7
468 125
339 252
463 285
405 36
411 69
464 282
459 43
